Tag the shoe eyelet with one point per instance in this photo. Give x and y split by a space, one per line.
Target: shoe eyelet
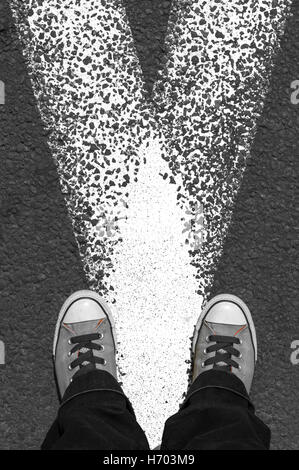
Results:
70 367
69 354
71 381
240 355
101 336
241 342
203 365
69 341
102 348
205 351
105 362
207 339
239 367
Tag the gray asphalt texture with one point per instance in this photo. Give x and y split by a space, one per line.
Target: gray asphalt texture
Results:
39 260
40 266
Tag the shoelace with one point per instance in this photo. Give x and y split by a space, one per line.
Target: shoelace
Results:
86 342
225 344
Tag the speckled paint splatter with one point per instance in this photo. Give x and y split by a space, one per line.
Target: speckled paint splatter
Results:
88 87
138 218
208 100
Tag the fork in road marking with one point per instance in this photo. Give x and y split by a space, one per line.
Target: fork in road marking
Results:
116 164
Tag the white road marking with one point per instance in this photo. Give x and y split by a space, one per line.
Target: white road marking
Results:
156 297
120 193
209 98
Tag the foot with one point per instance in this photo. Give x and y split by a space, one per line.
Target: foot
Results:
225 339
84 338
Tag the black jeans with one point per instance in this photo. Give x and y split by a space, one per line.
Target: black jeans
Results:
216 414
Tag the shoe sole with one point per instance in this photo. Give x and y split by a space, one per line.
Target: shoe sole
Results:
237 301
77 296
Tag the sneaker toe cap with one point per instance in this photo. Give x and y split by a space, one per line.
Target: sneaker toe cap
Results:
226 313
85 309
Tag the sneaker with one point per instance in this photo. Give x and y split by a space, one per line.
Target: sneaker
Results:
84 338
225 339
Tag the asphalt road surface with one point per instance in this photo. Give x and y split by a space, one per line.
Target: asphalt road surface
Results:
41 258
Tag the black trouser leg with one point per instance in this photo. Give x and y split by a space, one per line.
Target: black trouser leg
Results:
95 414
217 414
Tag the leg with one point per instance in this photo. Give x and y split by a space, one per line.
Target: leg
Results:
217 412
99 419
94 412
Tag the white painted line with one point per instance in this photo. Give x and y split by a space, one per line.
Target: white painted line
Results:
209 98
88 85
156 297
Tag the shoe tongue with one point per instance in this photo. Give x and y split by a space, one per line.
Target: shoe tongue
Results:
223 329
84 327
